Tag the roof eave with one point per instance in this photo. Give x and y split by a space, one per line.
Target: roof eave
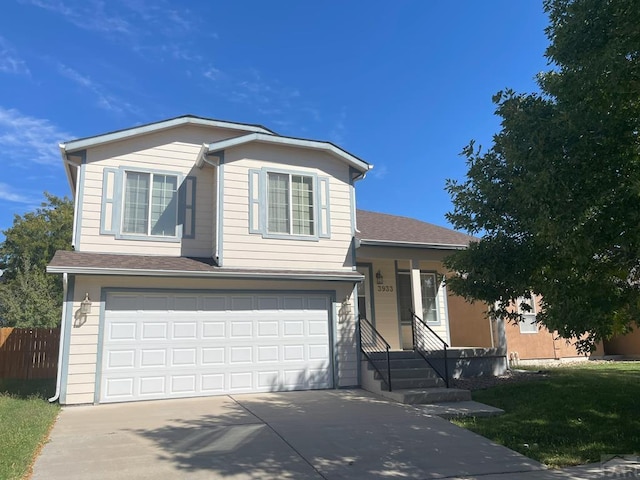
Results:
96 140
350 277
295 142
392 243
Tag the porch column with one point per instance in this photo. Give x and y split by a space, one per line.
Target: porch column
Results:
416 288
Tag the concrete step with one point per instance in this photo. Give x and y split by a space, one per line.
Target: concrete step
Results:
395 355
427 395
451 410
402 363
412 383
407 373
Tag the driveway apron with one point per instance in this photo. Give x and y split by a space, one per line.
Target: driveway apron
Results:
328 434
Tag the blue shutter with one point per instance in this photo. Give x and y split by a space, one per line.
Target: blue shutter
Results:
324 217
187 204
111 198
256 202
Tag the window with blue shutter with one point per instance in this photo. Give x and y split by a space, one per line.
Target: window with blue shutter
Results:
288 204
147 205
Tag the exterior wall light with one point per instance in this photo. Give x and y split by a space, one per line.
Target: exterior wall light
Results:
85 305
379 278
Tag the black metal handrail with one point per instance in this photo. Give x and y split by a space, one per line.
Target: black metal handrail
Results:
426 340
372 342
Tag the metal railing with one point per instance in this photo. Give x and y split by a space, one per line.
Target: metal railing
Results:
372 342
425 341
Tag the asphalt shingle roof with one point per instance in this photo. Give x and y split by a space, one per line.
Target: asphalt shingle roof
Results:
393 228
64 259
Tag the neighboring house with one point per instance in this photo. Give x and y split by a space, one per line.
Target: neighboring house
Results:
628 346
528 342
214 257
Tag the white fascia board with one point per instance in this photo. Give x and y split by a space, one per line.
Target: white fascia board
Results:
156 127
294 142
391 243
188 273
67 169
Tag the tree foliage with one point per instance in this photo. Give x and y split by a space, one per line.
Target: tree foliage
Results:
28 295
31 299
556 197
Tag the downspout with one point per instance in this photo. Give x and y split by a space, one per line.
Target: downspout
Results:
216 245
61 344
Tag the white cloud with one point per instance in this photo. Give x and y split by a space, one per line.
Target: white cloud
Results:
9 194
89 15
104 99
151 28
25 140
339 130
10 62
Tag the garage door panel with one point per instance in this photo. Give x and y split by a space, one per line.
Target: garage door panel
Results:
150 358
268 353
152 385
121 359
241 329
213 330
209 345
122 331
185 330
213 355
154 331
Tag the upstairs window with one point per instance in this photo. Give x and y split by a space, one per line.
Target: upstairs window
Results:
150 204
290 204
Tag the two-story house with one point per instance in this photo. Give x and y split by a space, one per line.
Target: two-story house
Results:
213 257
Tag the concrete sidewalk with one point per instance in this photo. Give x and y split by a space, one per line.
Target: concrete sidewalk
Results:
330 434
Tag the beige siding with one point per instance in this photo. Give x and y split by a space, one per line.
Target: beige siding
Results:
385 303
172 150
82 355
244 250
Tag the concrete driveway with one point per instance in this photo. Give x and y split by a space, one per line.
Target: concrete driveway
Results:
330 434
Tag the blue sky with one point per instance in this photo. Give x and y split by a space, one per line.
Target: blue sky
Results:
404 85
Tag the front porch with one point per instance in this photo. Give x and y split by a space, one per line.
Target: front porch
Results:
448 338
399 281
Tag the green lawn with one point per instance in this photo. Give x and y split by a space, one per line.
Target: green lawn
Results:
25 420
573 417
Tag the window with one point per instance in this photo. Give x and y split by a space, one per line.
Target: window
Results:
429 297
528 323
150 204
290 204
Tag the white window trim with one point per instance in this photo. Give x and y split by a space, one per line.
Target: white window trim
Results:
290 176
120 234
258 204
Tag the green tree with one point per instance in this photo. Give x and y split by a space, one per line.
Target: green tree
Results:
31 299
556 197
29 296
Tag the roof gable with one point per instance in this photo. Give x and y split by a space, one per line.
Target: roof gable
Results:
259 137
118 135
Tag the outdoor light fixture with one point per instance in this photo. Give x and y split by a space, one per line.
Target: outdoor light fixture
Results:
379 278
85 305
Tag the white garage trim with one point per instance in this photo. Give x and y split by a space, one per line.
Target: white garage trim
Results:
197 370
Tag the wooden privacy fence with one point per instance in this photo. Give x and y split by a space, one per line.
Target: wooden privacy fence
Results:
29 353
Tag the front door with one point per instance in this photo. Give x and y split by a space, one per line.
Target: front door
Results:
405 304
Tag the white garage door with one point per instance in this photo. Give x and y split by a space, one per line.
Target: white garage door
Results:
193 344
